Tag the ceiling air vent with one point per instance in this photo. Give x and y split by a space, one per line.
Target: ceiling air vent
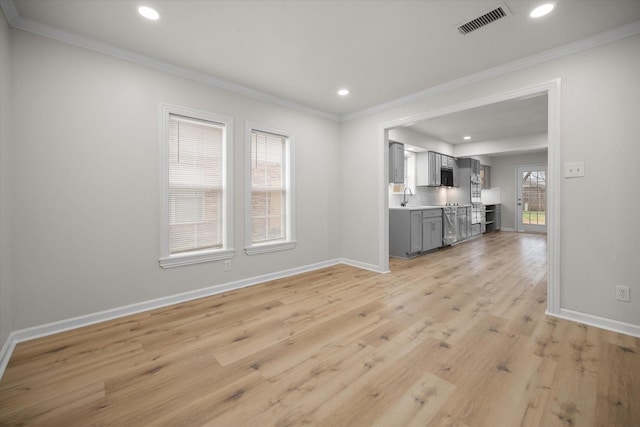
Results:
487 18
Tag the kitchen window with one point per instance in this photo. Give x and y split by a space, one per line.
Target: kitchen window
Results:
270 221
409 174
195 195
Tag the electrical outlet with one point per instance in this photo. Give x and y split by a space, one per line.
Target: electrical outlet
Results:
227 265
622 293
574 170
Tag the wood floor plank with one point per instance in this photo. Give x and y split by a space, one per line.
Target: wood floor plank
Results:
618 393
458 337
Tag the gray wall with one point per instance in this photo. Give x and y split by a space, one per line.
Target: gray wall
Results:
503 175
84 191
600 100
86 182
6 322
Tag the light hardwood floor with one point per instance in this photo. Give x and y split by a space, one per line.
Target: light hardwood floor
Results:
454 338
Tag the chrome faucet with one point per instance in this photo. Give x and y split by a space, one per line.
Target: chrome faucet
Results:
404 196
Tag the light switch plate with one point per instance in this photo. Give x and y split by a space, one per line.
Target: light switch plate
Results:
574 170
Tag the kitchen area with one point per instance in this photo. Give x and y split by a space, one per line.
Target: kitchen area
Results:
456 177
437 200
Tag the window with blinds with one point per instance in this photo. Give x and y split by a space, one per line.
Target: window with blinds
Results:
270 224
195 199
196 153
268 187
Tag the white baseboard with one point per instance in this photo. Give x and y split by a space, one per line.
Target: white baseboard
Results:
598 322
6 352
102 316
362 265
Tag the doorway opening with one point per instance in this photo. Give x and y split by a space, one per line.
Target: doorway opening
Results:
552 184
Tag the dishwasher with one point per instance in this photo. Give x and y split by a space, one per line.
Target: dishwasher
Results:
448 225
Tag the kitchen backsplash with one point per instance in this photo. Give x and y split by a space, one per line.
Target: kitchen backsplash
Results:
423 196
491 196
437 196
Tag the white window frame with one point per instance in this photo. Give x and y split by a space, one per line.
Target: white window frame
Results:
168 260
289 242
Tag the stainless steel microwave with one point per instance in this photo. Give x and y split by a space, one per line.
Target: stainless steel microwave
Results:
446 177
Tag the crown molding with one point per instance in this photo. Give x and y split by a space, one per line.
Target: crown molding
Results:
16 21
529 61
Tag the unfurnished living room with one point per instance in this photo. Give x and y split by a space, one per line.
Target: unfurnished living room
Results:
316 212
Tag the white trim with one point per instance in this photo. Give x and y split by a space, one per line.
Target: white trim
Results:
383 198
40 331
598 322
196 258
363 265
115 313
6 352
552 89
600 39
16 21
166 259
518 210
270 247
290 240
553 196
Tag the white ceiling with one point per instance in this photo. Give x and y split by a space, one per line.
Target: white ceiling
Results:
302 52
500 120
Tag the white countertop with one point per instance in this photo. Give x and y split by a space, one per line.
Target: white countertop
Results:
414 208
419 208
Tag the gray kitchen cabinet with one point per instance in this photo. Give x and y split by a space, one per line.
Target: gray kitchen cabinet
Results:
431 229
463 222
456 173
405 232
475 166
472 164
428 165
438 167
415 237
396 163
450 162
412 232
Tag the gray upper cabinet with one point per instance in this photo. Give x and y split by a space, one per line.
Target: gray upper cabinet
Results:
396 163
475 167
426 168
472 164
429 165
456 173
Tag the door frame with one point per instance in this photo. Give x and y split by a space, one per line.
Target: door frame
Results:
552 89
518 206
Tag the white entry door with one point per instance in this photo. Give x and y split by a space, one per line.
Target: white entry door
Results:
531 199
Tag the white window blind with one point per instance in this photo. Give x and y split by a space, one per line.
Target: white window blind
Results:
268 187
196 184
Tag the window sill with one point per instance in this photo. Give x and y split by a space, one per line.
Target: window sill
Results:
196 258
270 247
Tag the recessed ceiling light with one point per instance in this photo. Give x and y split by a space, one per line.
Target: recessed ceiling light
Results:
541 10
343 92
148 13
466 138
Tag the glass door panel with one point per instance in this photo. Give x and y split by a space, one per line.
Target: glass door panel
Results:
531 203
